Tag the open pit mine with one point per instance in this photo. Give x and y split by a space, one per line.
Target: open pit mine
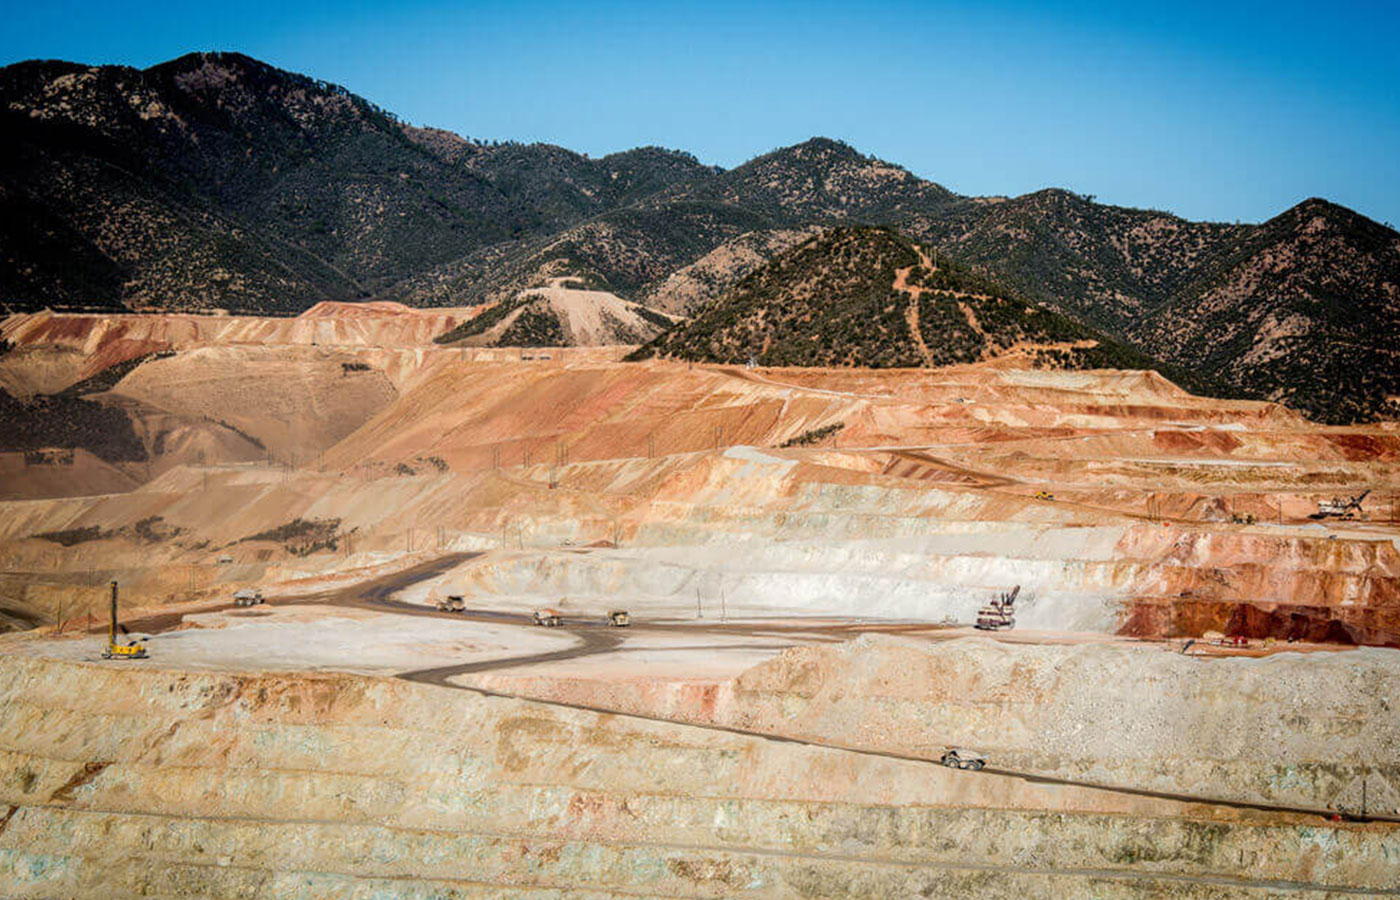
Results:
316 607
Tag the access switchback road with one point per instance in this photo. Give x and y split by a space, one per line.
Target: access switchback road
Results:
377 594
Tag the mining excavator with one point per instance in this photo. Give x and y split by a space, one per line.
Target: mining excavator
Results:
1341 507
129 650
1000 614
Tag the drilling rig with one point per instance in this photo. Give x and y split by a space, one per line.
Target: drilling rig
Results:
129 650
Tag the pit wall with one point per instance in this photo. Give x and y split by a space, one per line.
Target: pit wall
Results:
128 781
1289 729
1073 578
856 549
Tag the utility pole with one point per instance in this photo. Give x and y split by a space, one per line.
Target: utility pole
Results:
723 606
699 612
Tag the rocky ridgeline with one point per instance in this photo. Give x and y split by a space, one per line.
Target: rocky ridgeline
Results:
215 181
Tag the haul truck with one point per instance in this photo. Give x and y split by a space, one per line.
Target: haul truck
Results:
550 618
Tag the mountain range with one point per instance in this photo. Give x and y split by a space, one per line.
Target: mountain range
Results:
215 181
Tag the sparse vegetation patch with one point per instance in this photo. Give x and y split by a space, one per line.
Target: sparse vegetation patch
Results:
482 321
70 537
814 435
302 537
536 326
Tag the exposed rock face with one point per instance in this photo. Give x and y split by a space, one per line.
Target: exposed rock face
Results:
241 437
203 785
1295 729
109 384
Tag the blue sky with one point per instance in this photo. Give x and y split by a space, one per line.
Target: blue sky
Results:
1224 111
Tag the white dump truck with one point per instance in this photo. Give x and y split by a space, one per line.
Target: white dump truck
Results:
247 597
549 618
963 758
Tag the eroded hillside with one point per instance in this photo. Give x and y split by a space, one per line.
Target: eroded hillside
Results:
1193 700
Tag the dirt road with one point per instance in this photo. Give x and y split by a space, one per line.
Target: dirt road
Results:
594 639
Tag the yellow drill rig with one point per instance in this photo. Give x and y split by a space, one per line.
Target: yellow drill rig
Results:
129 650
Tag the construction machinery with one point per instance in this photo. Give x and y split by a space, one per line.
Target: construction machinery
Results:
962 758
453 603
549 618
1340 507
1044 495
247 597
1000 614
131 649
619 618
